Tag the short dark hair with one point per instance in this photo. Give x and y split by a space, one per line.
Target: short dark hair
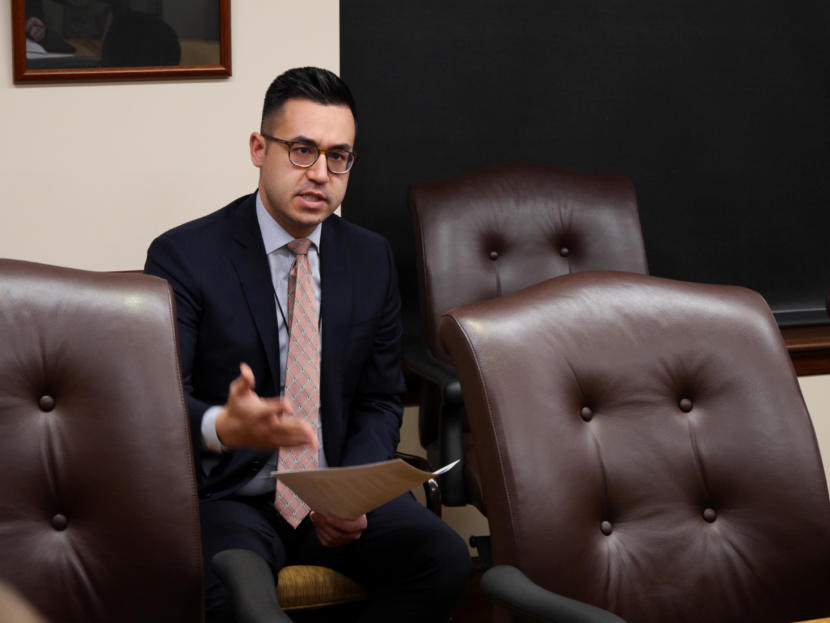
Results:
311 83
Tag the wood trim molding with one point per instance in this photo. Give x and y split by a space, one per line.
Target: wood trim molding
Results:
23 74
809 348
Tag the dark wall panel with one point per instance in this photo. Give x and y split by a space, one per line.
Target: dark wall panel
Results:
717 110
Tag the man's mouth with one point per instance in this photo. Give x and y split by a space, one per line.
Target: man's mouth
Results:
313 197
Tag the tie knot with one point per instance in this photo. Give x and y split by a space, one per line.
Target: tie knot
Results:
299 246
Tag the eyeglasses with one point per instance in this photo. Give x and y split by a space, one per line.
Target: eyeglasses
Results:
305 154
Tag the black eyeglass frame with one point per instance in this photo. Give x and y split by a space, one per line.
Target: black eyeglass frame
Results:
290 146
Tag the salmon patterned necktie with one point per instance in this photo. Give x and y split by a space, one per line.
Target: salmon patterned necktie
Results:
302 374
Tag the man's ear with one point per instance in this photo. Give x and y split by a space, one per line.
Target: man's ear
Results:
258 146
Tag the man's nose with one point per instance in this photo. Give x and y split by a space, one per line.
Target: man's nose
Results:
319 171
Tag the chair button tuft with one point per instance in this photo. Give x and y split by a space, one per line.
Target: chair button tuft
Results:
586 414
685 405
59 522
564 251
46 402
494 255
710 515
605 528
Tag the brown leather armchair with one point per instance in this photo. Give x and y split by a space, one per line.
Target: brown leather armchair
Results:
492 232
644 449
98 510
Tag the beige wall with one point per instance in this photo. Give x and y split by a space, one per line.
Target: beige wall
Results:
92 172
816 390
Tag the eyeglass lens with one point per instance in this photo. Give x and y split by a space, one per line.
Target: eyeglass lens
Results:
337 160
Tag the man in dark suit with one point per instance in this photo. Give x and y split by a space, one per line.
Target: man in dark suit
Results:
230 272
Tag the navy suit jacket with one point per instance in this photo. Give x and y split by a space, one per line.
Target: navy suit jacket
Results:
226 314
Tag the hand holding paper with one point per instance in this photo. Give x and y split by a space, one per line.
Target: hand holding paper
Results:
334 531
350 492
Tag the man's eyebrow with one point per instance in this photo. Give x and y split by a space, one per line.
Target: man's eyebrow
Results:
305 139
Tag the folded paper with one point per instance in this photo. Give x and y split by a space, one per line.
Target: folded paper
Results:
350 492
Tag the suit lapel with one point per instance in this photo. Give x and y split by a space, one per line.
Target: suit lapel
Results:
336 296
251 265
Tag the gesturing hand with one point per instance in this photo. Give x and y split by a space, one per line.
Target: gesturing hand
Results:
334 531
248 420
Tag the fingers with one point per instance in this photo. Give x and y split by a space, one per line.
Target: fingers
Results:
334 531
276 405
263 423
289 431
242 384
340 525
308 435
246 373
264 433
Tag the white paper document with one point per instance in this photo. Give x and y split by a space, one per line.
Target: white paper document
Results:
350 492
35 50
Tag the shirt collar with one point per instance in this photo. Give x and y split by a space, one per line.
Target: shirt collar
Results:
273 235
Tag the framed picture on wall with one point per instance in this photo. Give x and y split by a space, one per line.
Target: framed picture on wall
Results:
81 40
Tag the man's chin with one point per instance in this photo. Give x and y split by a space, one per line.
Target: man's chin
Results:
304 222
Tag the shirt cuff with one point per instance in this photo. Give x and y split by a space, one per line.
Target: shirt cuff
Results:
209 435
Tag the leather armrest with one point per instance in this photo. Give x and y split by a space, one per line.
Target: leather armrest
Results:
420 360
512 589
251 585
432 492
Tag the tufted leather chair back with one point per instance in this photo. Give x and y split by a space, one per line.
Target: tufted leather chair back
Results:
497 230
644 447
98 509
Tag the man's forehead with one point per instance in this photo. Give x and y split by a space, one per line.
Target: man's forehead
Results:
307 118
